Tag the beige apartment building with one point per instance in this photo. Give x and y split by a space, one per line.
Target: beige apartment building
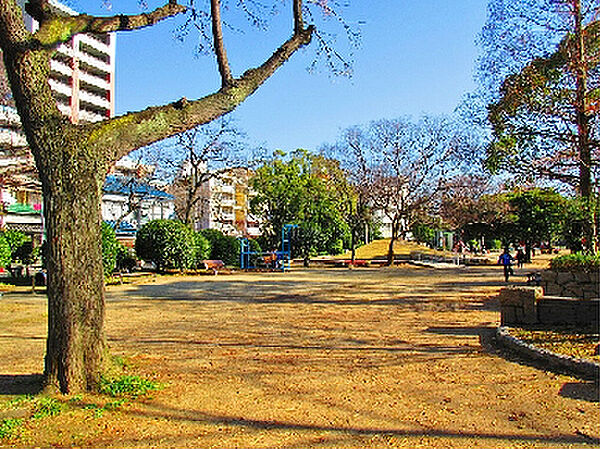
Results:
225 205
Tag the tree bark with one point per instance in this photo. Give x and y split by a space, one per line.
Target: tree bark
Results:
390 255
76 343
583 123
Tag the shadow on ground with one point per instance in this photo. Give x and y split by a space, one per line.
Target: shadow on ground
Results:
19 384
173 414
584 391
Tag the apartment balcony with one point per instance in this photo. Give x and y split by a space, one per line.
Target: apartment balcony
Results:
60 67
226 217
88 116
66 50
229 203
95 81
253 232
61 88
94 100
10 138
227 188
95 63
97 44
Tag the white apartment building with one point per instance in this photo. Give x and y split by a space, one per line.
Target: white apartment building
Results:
82 78
82 73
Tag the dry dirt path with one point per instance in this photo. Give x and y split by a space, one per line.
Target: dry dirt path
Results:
317 358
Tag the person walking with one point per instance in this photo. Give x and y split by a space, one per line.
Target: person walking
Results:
520 258
505 260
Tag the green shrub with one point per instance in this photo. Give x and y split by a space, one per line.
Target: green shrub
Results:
166 243
223 247
5 253
202 249
423 233
254 246
576 262
109 249
126 260
21 246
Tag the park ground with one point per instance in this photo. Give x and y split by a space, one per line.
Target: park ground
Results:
321 358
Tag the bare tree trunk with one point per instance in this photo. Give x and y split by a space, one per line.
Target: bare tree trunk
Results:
390 255
583 125
76 344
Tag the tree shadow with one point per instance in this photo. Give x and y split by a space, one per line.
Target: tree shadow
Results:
19 384
585 391
173 414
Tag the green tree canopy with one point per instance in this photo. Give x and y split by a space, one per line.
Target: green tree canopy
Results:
295 190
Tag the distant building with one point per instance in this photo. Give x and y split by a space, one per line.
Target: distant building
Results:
225 205
82 73
130 200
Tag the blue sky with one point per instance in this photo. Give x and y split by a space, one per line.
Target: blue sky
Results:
415 57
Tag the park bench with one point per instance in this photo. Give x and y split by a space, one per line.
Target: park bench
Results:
214 265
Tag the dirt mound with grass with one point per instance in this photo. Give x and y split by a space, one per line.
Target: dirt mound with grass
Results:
378 249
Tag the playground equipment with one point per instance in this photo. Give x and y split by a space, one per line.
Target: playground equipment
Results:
281 259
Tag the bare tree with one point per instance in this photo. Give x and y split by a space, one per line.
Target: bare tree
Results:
412 160
195 157
73 159
354 151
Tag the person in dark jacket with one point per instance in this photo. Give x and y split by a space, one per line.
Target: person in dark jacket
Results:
505 260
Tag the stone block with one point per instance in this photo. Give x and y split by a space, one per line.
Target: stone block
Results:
508 316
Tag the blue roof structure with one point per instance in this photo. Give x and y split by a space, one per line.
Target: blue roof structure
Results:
122 185
125 228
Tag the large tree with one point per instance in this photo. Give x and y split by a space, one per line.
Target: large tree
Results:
541 66
194 158
350 157
298 190
401 163
73 159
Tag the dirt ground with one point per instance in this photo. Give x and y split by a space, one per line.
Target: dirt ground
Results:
319 358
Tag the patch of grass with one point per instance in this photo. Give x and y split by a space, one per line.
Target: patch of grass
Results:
10 428
132 386
39 407
568 341
45 406
575 262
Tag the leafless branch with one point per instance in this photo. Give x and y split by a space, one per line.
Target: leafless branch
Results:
219 44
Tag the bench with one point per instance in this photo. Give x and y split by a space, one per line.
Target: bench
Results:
214 265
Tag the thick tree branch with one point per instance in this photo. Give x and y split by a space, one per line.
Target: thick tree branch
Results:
59 29
219 45
40 10
298 18
119 136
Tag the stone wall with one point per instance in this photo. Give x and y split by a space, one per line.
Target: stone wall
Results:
528 305
573 284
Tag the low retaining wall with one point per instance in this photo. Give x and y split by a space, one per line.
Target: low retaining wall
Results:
528 305
582 368
573 284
